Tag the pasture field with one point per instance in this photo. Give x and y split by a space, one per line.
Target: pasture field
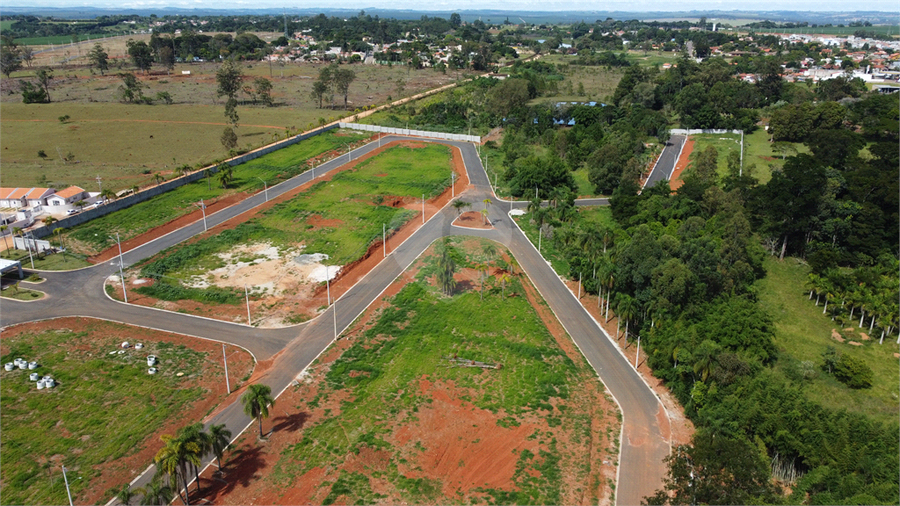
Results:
391 416
101 420
760 157
845 31
803 333
127 143
93 236
339 217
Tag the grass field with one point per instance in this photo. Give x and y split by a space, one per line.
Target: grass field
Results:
652 58
120 142
380 376
94 236
547 249
75 423
893 30
803 333
759 157
351 202
59 39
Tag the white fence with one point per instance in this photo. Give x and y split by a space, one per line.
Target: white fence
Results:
27 243
413 133
681 131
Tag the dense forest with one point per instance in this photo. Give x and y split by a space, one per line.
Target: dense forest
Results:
680 268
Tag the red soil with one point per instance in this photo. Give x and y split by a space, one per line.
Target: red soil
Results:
116 473
676 182
317 221
449 440
472 219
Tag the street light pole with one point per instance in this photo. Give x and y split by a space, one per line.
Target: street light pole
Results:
68 492
203 208
637 356
423 209
265 188
247 298
225 359
121 267
453 184
384 238
28 247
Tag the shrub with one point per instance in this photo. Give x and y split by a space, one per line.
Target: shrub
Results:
853 372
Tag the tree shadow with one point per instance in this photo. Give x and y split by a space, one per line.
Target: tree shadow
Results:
242 468
289 423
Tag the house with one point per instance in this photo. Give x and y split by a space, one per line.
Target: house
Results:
68 196
24 197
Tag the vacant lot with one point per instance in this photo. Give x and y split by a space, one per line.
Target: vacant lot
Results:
126 143
104 418
94 236
803 333
282 251
436 399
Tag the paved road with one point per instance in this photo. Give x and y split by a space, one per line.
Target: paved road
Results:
665 164
80 293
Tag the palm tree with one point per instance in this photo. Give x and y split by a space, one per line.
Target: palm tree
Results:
484 213
256 403
504 278
126 494
157 493
18 231
3 229
194 434
159 178
459 205
174 457
446 270
486 203
226 175
108 194
218 439
49 220
626 309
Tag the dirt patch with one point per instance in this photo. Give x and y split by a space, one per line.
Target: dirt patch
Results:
675 181
118 472
317 222
289 297
472 219
854 343
448 440
836 336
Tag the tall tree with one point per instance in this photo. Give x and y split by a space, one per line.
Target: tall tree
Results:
44 76
264 91
446 268
10 56
229 79
174 457
256 403
99 58
342 79
218 439
140 54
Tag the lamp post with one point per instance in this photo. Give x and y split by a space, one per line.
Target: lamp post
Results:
265 188
384 239
203 208
28 247
247 298
423 209
121 265
66 479
225 359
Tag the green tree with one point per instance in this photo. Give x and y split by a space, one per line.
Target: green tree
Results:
342 79
157 493
264 91
10 56
99 58
32 94
173 459
229 81
256 403
218 439
44 76
459 205
226 175
229 138
140 54
131 89
446 268
319 90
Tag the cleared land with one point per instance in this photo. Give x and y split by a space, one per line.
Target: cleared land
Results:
803 333
104 418
94 236
126 144
392 414
281 252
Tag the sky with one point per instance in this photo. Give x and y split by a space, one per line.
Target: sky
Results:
520 5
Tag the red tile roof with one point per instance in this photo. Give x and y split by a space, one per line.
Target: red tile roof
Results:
69 192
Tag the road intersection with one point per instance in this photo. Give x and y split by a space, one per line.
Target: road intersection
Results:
643 441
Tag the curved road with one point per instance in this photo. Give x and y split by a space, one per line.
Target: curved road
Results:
643 446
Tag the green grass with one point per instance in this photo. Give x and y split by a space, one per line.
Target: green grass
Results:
836 30
652 58
803 333
548 249
354 197
21 294
759 157
102 409
598 215
51 262
380 374
114 140
585 188
273 168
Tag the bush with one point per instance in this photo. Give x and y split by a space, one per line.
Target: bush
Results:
853 372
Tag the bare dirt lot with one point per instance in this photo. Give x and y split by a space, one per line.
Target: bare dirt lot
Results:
448 450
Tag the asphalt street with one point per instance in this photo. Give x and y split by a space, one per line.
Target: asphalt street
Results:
662 171
643 447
